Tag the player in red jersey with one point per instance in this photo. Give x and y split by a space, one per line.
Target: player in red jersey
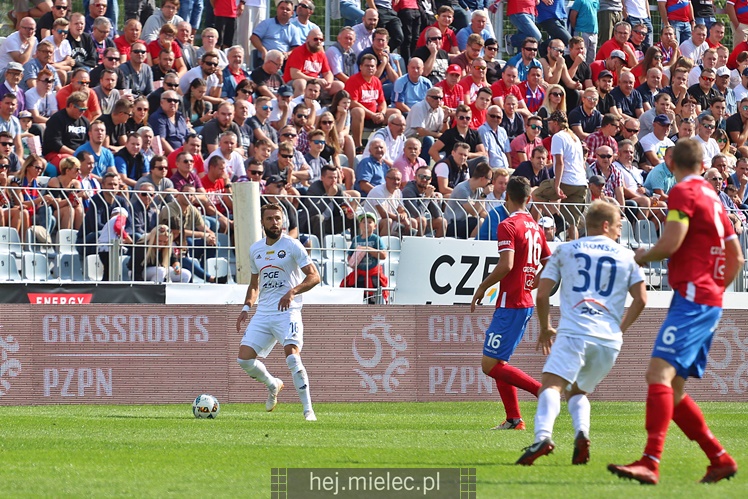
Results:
522 248
705 256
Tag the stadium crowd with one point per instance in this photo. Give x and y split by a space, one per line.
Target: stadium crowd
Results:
410 115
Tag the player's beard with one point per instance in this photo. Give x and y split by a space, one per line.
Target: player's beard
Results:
273 233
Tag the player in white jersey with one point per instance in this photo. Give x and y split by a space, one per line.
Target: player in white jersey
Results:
281 271
595 273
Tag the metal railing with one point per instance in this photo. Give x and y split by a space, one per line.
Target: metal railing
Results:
52 243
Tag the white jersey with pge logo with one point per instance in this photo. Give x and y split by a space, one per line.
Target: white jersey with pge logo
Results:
279 269
596 274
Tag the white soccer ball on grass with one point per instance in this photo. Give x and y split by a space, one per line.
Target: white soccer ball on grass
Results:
206 407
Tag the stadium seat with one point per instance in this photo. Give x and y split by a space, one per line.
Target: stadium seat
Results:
390 270
343 160
33 246
316 251
335 272
8 268
647 232
225 249
94 268
10 241
42 180
67 238
627 234
68 268
218 267
394 247
335 248
35 267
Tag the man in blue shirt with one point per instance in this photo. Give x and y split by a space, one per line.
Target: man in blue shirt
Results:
411 89
661 179
526 58
103 157
479 25
371 171
494 138
277 33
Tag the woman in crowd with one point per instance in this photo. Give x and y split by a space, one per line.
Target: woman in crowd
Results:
652 59
12 213
209 37
725 147
555 99
65 189
334 145
154 258
38 205
199 110
340 108
139 116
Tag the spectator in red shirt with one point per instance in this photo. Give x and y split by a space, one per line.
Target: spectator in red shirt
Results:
620 41
615 61
444 17
129 36
507 84
167 41
309 62
479 107
367 98
454 94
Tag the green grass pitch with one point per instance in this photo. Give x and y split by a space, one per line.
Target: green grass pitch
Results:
162 451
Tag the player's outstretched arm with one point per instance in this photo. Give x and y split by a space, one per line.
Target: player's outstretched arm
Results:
249 300
543 308
673 234
639 293
734 259
506 262
311 279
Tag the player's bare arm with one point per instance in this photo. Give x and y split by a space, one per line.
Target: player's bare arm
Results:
639 294
311 280
543 307
249 300
734 259
671 239
506 262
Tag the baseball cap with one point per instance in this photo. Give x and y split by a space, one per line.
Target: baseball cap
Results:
454 68
275 179
367 215
546 222
619 54
14 66
597 180
605 74
723 71
285 91
662 119
24 114
118 211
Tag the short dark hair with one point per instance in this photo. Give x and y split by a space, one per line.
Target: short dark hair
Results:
518 189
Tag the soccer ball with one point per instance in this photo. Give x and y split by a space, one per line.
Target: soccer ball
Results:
206 407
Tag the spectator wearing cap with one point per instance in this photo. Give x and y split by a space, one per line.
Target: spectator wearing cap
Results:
606 103
722 86
657 142
549 229
596 184
704 91
615 61
280 107
427 120
628 100
586 119
663 104
268 77
570 179
454 93
13 75
620 43
526 58
741 89
435 58
168 123
479 25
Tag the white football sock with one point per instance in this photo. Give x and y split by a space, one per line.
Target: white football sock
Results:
579 408
300 380
549 405
257 370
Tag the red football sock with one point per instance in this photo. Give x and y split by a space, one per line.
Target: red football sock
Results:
508 395
659 414
516 377
690 419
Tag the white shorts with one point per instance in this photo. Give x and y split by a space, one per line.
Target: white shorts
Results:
577 360
264 330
